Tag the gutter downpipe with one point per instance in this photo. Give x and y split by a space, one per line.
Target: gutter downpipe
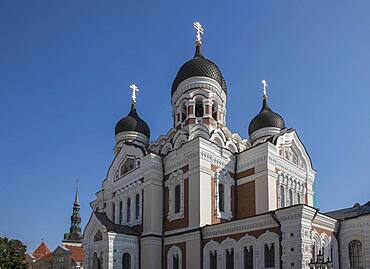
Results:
273 215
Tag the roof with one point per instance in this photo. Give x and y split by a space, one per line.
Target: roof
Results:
41 251
266 118
112 227
132 122
352 212
199 66
76 252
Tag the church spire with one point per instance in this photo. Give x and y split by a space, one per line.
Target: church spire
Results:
74 235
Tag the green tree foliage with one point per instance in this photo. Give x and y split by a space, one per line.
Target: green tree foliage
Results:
12 254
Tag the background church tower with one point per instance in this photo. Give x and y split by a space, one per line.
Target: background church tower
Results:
74 237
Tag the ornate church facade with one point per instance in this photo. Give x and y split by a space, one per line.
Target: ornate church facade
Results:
201 196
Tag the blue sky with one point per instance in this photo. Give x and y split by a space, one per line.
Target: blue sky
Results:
65 67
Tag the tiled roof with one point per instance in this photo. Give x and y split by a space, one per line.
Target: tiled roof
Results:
40 251
77 253
118 228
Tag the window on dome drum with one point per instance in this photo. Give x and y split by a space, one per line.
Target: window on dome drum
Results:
230 259
175 262
355 254
221 198
291 199
248 257
199 111
212 260
183 112
177 198
128 212
214 111
113 212
127 166
126 261
269 256
98 236
120 212
137 206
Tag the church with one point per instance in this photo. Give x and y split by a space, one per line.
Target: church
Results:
202 196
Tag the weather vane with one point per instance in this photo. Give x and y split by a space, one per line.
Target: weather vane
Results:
134 89
264 82
197 26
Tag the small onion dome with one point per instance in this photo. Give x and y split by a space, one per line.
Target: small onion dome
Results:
132 123
198 67
266 118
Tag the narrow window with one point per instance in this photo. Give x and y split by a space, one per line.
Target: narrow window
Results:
212 260
221 197
214 112
298 198
137 206
291 197
230 259
269 256
113 212
175 262
199 111
126 261
128 210
183 112
248 258
282 196
120 212
177 199
355 254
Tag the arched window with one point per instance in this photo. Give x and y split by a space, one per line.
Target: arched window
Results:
269 256
299 198
113 212
248 257
137 206
120 212
199 110
127 166
230 259
98 236
221 197
282 196
355 254
128 210
126 261
96 262
174 258
177 198
175 262
212 260
101 260
291 197
214 111
183 112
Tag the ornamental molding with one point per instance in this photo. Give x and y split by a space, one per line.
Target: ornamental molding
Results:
176 178
240 226
226 164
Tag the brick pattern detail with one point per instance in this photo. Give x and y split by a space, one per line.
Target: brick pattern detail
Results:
246 200
245 173
182 246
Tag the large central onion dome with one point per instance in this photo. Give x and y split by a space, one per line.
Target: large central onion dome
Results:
132 123
199 67
266 118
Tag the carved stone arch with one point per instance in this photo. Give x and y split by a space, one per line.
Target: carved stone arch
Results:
247 241
166 148
211 246
174 251
179 139
133 255
199 130
268 238
231 146
227 245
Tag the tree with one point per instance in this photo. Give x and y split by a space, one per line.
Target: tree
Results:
12 254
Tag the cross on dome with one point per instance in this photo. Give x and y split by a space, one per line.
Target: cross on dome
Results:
264 83
134 89
197 26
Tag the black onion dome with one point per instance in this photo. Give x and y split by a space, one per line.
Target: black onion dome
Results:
132 122
199 66
266 118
